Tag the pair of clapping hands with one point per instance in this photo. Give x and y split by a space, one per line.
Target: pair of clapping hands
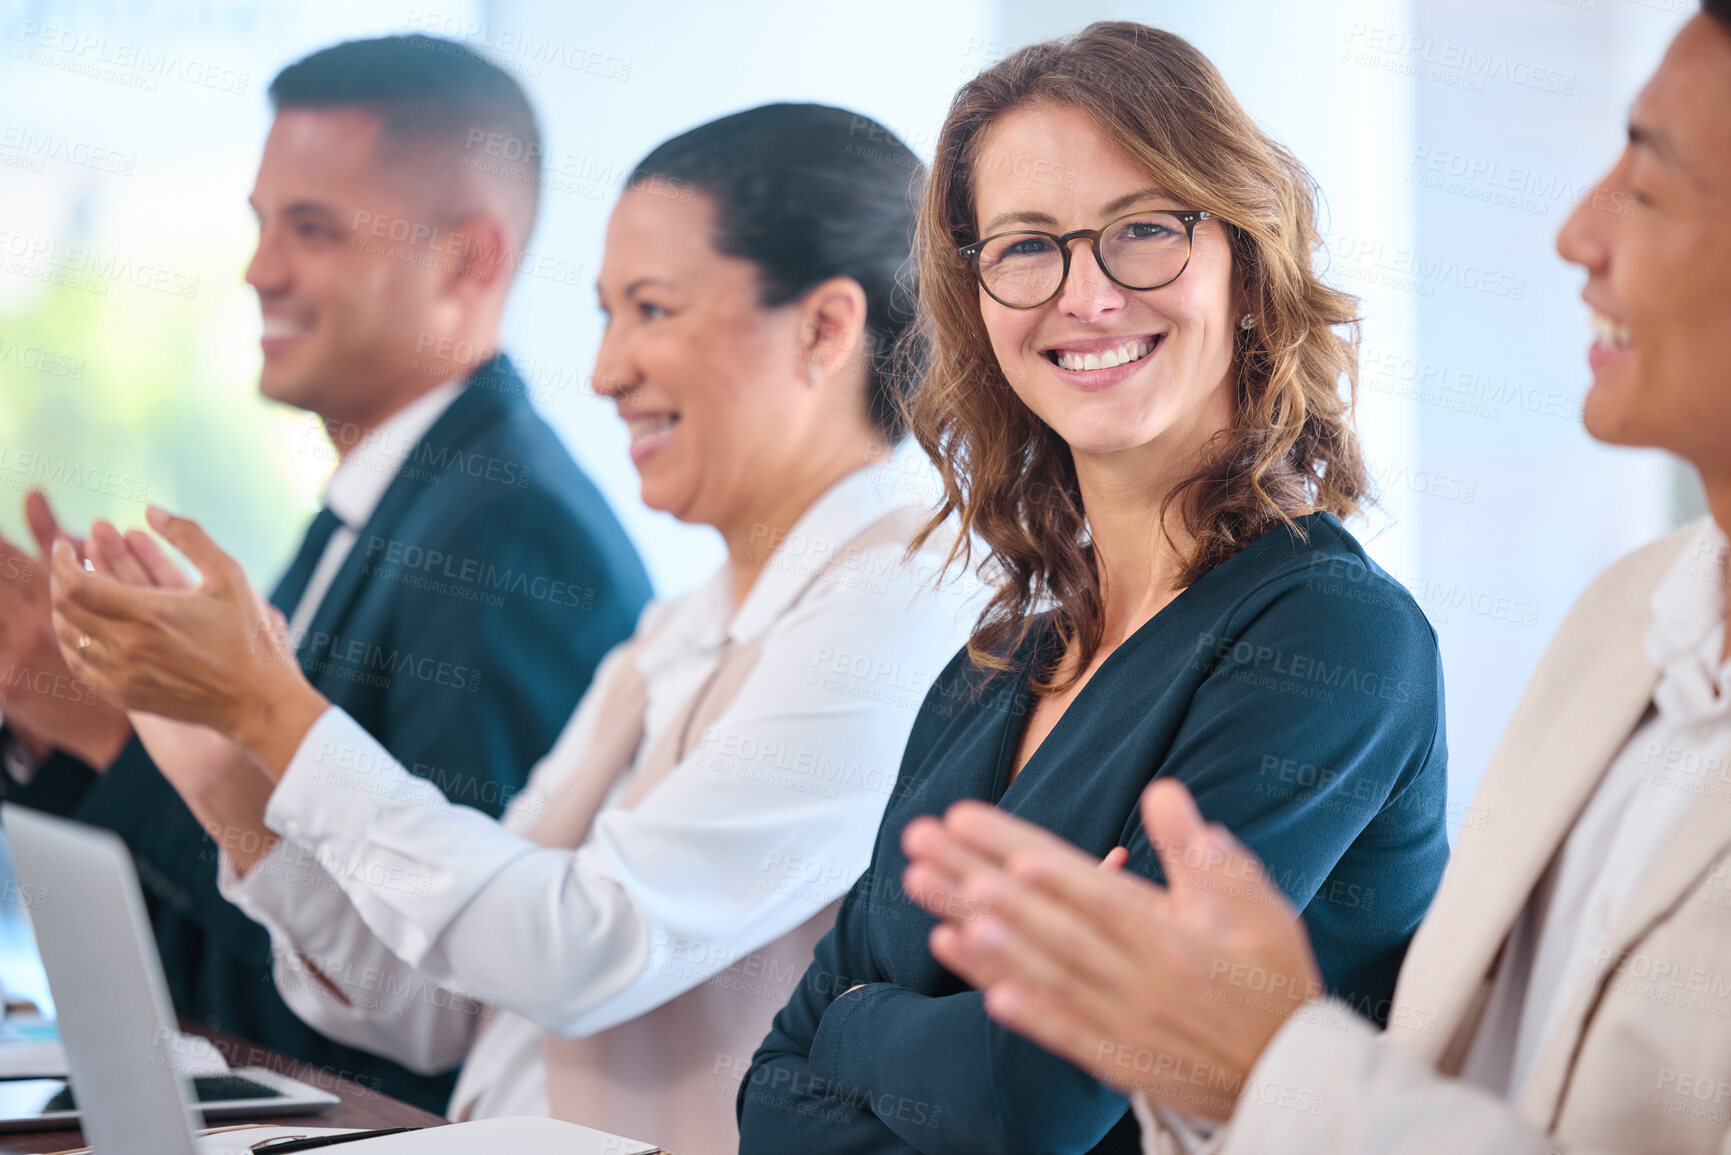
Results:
133 624
205 669
1128 980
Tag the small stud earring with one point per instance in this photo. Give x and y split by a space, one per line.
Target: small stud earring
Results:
1248 321
813 370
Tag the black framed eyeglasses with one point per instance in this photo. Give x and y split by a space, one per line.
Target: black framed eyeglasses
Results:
1145 250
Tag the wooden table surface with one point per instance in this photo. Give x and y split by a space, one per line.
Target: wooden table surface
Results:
360 1107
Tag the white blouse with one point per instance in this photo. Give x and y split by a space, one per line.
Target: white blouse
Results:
433 920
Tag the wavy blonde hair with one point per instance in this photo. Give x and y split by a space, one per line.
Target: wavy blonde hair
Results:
1005 473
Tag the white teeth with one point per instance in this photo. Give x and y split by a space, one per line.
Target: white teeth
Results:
1111 358
642 427
283 327
1609 331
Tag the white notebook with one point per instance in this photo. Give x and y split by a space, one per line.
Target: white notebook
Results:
510 1135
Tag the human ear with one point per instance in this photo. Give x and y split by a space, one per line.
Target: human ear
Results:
481 253
832 329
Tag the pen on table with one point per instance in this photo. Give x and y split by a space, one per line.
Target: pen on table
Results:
285 1146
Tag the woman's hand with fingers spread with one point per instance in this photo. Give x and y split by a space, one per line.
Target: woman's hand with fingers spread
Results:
209 653
134 558
1174 991
216 778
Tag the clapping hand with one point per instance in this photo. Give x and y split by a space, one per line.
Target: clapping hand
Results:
44 703
1173 991
212 653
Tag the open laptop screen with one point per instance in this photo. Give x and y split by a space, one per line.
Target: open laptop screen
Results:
116 1021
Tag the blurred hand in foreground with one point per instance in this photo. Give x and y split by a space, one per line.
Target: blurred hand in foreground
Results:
1173 991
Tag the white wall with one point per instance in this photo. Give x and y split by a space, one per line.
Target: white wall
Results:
1497 165
666 68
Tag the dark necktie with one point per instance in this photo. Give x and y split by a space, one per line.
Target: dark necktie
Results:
293 586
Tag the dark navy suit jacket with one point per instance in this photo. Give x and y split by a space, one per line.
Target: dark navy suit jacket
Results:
460 631
1296 689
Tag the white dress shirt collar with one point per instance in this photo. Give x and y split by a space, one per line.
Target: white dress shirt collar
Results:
846 509
1687 637
360 479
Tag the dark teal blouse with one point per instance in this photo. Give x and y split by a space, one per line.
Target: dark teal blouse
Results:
1296 689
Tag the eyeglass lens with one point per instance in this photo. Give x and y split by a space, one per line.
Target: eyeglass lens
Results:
1143 251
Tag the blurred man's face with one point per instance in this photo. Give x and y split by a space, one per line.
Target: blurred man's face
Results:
343 303
1656 244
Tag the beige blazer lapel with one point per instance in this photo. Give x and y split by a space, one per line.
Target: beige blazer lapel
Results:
712 698
1567 729
572 808
1701 838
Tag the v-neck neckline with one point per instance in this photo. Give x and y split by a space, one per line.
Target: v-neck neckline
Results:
1022 710
1022 714
1034 647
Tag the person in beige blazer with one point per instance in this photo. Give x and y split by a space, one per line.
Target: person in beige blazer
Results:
1570 988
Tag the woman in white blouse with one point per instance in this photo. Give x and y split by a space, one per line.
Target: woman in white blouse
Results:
613 950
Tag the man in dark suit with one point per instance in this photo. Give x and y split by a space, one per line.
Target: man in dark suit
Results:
464 578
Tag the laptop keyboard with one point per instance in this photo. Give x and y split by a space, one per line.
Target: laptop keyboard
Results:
205 1089
223 1088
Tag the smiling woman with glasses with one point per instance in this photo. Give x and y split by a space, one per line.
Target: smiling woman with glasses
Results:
1139 404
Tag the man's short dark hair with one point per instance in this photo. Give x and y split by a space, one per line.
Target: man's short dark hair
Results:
1719 10
426 90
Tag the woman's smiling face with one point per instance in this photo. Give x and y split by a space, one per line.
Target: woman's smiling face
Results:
1046 166
703 375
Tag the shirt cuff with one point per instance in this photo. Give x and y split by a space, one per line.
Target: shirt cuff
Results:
20 764
288 894
404 855
256 890
1169 1132
241 889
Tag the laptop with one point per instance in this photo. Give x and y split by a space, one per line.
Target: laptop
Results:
127 1061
